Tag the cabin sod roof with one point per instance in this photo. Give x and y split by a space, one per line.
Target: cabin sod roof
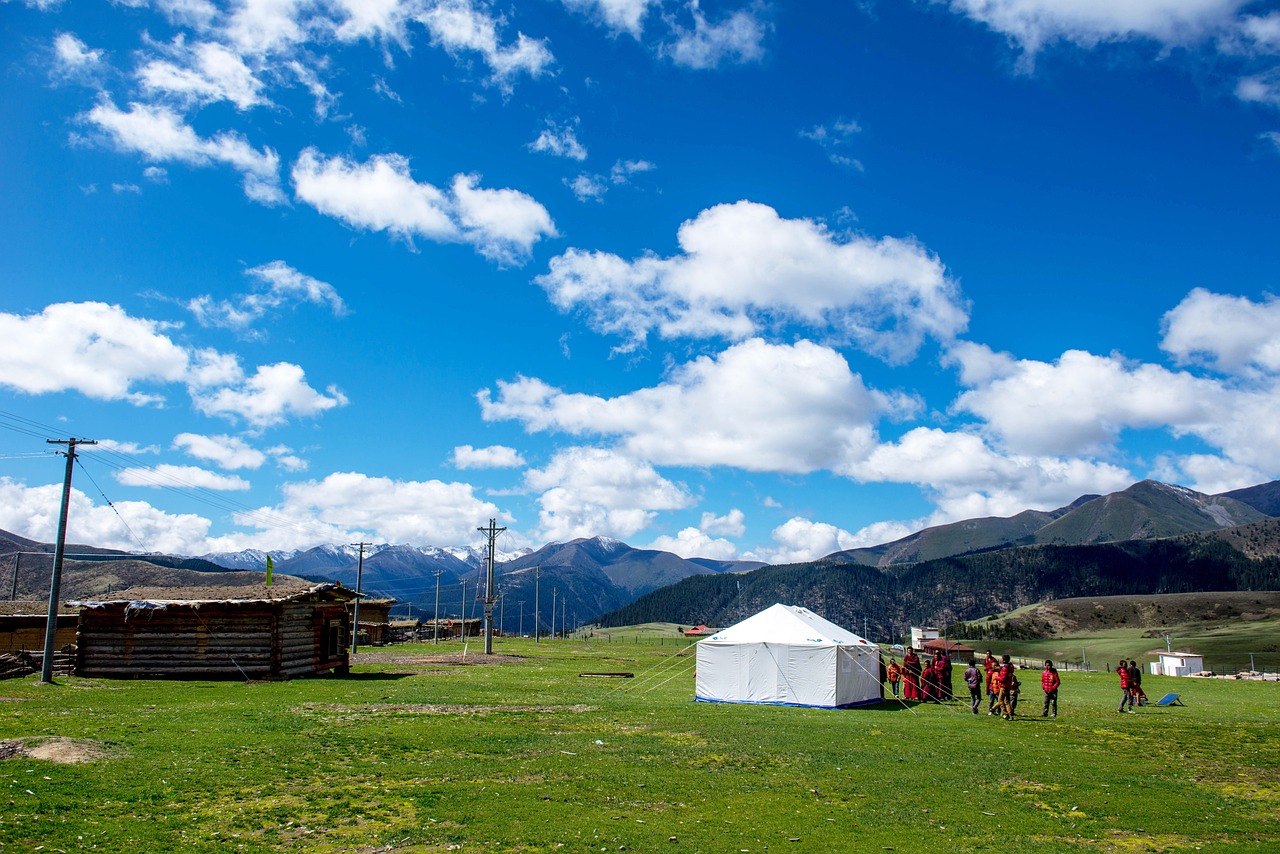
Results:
33 609
195 596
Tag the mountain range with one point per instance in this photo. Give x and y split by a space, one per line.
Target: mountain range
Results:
1149 538
590 577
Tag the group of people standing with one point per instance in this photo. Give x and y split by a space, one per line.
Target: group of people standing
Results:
931 682
1131 693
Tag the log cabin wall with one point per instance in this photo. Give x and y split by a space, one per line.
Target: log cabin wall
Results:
186 641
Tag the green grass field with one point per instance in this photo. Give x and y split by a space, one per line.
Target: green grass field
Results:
1226 645
415 753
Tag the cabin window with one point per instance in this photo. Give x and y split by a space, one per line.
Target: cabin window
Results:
335 640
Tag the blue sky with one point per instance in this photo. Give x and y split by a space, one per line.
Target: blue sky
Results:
731 279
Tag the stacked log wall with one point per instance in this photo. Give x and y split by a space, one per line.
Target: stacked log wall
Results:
208 642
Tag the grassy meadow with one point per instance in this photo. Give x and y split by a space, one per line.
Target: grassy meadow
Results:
422 750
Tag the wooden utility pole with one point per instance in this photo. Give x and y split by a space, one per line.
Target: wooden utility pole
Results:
537 591
490 585
355 616
435 637
55 583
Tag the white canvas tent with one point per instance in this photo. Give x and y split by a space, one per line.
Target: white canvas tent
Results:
790 656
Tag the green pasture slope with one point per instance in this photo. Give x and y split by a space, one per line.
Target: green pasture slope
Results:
412 754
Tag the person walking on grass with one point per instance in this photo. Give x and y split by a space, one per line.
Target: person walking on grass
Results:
990 666
1004 686
1126 692
893 673
1135 685
1049 681
973 678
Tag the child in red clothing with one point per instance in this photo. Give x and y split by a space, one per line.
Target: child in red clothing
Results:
1050 681
1126 696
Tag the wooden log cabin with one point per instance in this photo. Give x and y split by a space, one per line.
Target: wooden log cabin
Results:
23 624
256 632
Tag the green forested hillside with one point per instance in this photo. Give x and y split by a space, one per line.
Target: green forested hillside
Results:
970 586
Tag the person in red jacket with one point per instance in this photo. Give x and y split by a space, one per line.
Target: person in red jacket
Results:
1126 695
1050 681
1004 684
911 675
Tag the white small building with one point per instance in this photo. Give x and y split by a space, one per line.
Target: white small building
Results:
1177 664
920 634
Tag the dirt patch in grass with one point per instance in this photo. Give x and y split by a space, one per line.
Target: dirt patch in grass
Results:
453 659
64 751
452 709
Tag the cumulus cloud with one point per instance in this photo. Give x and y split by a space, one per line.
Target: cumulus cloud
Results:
744 267
280 283
1081 402
272 395
737 39
396 511
73 59
92 348
1035 23
381 195
691 543
799 539
492 457
560 140
33 512
228 452
619 16
202 73
587 492
588 188
461 26
1230 334
757 406
166 476
102 352
967 478
160 135
732 524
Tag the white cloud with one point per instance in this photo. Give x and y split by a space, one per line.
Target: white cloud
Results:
165 476
127 188
619 16
561 141
739 38
833 138
228 452
33 512
588 188
462 26
1081 402
283 284
492 457
1227 333
197 14
1035 23
757 406
156 175
269 397
73 59
160 135
622 170
381 195
589 492
731 524
799 539
1260 88
92 348
968 479
691 542
387 510
1207 473
202 73
744 267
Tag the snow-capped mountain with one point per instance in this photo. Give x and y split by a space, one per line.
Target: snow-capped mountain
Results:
251 559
